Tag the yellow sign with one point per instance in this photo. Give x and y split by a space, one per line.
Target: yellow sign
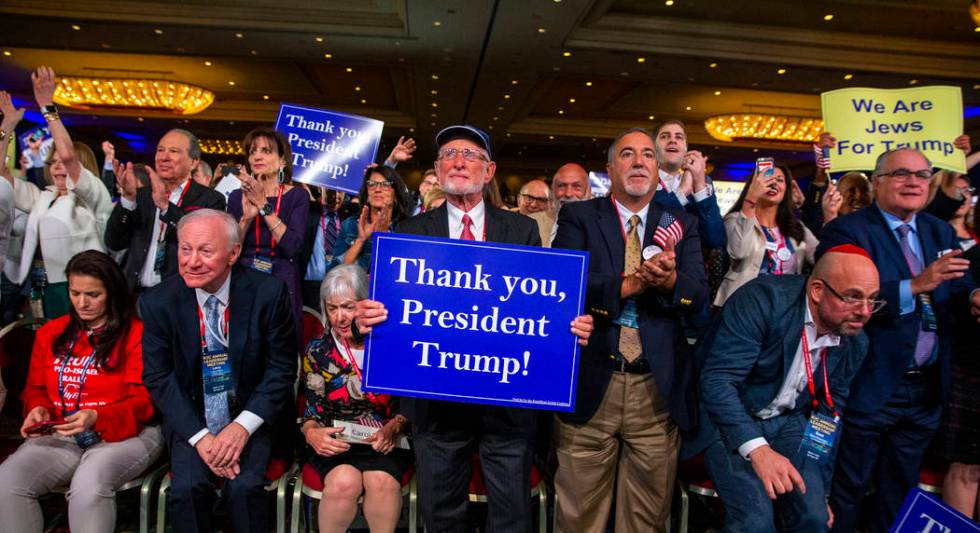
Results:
868 122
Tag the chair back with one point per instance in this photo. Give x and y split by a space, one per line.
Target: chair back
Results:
16 344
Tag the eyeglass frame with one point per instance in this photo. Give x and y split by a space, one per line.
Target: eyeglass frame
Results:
904 174
379 184
469 154
538 199
873 303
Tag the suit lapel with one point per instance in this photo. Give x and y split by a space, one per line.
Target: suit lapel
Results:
240 304
884 234
926 242
794 334
437 222
494 225
189 332
653 220
611 230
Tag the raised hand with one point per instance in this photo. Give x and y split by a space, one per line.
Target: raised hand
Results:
125 180
161 196
44 85
831 202
402 151
11 115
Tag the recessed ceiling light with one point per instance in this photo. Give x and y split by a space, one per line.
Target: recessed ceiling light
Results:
318 39
848 76
713 65
975 85
433 91
571 100
641 60
828 17
363 101
254 52
76 27
717 93
231 83
624 73
651 117
588 84
755 149
7 53
781 71
357 88
514 82
688 108
411 130
434 104
139 119
239 35
436 23
669 3
158 31
566 54
348 69
552 137
435 76
913 82
328 56
542 30
508 134
506 97
977 29
432 123
265 97
490 126
433 115
208 63
496 118
561 111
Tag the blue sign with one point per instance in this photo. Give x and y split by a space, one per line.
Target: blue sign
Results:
924 513
475 322
329 149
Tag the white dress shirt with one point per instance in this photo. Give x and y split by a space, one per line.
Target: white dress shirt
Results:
477 216
795 380
247 419
625 214
670 183
148 276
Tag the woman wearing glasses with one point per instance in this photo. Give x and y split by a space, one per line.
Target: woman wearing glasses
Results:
386 201
271 212
765 237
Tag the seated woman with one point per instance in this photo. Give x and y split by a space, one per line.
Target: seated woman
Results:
765 237
333 393
85 375
386 202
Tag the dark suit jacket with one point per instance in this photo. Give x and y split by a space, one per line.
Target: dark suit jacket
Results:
262 351
892 335
501 226
134 229
594 226
711 226
747 352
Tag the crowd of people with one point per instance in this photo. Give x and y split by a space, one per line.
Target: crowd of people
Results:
174 300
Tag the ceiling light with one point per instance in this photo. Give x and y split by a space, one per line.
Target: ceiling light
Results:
318 39
976 86
90 93
357 88
913 82
433 115
411 130
239 35
848 76
571 100
208 63
435 76
977 29
552 137
713 65
222 147
434 104
506 97
542 30
651 117
7 53
434 92
641 60
496 118
669 3
588 84
139 119
688 108
765 127
513 82
254 52
561 111
828 17
717 93
437 23
566 54
432 123
232 83
265 97
781 71
348 69
363 101
158 31
76 27
328 56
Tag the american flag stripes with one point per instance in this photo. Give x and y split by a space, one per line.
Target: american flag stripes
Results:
669 231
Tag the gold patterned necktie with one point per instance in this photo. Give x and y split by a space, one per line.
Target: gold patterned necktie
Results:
629 338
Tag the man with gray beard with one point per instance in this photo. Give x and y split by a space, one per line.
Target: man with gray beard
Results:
635 387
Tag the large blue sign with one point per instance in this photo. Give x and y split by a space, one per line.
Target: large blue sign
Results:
475 322
329 149
924 513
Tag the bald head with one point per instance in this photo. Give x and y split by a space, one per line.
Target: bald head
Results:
571 184
534 197
840 276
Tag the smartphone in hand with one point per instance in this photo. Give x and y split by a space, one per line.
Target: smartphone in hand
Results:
44 428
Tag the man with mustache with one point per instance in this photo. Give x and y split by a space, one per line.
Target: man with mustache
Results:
762 378
634 390
898 392
145 219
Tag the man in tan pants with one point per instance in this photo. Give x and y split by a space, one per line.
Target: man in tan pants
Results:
634 389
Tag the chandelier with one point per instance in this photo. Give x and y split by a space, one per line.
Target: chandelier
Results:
222 147
758 126
171 96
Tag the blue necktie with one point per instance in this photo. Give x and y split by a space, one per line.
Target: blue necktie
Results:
330 237
216 412
926 343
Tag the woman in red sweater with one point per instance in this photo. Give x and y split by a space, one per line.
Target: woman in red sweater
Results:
86 407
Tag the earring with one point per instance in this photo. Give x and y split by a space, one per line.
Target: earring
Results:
282 175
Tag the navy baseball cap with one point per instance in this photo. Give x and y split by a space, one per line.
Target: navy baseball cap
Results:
472 133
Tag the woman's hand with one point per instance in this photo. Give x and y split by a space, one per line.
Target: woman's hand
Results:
11 115
44 85
35 416
322 439
77 423
249 210
252 189
383 440
365 227
760 184
831 202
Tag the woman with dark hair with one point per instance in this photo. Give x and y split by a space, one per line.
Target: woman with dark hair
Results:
271 212
386 201
87 409
765 237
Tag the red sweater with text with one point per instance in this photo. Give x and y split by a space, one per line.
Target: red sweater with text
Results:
118 396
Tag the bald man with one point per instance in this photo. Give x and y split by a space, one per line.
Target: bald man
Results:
764 365
534 197
570 184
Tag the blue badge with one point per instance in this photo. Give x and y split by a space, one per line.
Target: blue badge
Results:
160 257
262 264
627 316
819 437
929 322
216 370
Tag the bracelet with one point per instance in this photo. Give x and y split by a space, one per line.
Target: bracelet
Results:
51 117
3 135
273 228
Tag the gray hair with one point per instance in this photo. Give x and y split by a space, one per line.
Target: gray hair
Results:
205 169
883 158
194 146
231 225
611 153
344 279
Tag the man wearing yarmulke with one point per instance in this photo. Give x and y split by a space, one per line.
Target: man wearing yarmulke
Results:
776 372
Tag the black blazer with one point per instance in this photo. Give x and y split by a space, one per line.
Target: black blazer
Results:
501 226
134 229
262 351
594 226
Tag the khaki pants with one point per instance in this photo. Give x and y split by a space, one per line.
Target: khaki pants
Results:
630 440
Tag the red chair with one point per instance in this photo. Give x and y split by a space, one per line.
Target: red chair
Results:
313 326
309 484
539 490
692 476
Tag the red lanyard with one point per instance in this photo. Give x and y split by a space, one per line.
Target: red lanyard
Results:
272 246
200 316
357 370
180 201
809 375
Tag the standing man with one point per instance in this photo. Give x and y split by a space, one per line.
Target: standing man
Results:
762 383
322 228
429 180
570 184
447 433
684 182
898 393
635 387
145 219
219 360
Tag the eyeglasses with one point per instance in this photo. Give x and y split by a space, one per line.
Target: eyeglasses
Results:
468 154
904 174
966 192
383 184
855 303
538 199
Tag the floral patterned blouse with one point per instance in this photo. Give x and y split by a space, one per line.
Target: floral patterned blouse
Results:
333 387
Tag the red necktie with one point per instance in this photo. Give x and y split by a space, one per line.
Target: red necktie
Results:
467 235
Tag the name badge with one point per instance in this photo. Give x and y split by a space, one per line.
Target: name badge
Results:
771 246
216 370
262 264
160 257
819 437
627 317
929 321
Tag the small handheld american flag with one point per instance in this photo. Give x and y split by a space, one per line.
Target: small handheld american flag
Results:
669 231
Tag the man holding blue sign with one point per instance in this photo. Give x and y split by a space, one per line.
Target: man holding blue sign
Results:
776 372
446 432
